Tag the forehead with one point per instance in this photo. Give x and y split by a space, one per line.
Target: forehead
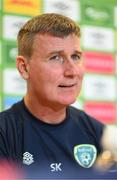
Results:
49 42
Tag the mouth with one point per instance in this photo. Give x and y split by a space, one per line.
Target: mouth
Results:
67 86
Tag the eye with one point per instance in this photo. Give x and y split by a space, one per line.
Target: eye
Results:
76 57
57 58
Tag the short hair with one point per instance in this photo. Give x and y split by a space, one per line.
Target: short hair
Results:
49 23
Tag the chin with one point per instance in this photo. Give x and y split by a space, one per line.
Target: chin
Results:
68 101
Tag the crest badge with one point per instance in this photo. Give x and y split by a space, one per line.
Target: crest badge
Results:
85 155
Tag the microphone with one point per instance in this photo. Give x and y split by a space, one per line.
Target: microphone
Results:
108 157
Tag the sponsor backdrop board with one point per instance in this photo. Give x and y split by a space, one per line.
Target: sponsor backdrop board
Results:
98 21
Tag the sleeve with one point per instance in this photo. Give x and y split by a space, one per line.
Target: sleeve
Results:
3 145
94 129
11 131
97 128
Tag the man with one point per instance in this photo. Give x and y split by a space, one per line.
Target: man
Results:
43 131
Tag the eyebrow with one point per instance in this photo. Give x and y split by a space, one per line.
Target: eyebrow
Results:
62 51
78 52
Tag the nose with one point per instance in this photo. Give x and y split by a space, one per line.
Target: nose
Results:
70 68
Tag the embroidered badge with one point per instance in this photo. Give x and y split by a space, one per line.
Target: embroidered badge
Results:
85 155
27 158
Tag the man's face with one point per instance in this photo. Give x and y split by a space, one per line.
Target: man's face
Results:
55 70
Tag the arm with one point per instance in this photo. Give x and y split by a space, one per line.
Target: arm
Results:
4 145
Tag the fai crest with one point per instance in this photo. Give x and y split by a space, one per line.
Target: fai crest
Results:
85 154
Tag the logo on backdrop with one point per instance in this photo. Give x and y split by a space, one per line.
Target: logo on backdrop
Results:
85 154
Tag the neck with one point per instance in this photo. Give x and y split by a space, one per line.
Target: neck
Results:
49 114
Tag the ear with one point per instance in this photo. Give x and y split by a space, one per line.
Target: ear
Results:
22 66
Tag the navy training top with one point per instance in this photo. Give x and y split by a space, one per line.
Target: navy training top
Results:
50 150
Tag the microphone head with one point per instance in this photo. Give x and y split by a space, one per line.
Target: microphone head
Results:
108 157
